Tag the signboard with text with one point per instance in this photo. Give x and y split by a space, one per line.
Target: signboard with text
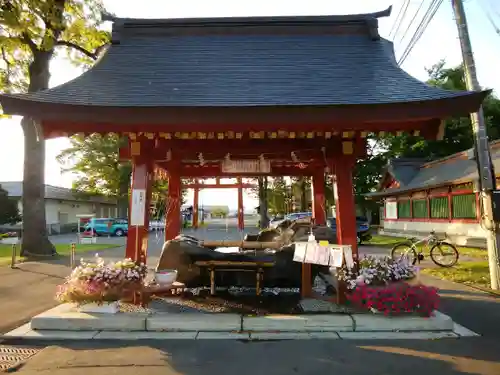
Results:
246 166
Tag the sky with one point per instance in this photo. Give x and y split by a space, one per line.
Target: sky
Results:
440 41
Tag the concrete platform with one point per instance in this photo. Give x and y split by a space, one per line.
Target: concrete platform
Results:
298 323
189 322
369 323
66 317
65 323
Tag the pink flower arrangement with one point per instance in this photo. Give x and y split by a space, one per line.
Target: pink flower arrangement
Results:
396 299
100 282
376 271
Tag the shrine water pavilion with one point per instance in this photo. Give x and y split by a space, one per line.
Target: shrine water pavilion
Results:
278 96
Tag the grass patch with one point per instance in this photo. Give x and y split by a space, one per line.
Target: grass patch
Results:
389 241
384 241
470 273
62 249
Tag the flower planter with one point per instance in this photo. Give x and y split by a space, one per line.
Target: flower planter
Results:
104 308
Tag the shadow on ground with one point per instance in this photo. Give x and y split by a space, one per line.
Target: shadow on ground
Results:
211 357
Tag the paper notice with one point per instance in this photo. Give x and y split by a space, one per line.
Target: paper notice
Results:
323 255
336 257
138 207
349 261
311 253
300 252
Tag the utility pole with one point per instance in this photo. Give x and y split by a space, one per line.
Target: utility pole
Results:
487 180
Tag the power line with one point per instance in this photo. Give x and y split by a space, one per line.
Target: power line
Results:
404 8
412 20
424 23
396 20
490 18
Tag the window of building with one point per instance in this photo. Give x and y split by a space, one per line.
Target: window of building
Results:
464 206
420 209
404 209
439 208
391 210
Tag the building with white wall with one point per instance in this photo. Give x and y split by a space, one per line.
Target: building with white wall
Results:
62 206
441 195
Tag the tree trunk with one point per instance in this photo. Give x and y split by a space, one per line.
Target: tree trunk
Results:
303 194
34 239
123 200
264 219
124 186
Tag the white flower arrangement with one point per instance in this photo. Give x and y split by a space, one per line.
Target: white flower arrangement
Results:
376 271
99 282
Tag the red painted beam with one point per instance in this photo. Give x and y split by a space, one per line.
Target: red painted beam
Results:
219 186
215 171
54 128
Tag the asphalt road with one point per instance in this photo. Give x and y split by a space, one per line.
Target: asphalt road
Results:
304 357
476 311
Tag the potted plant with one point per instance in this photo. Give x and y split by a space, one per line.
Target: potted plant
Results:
97 287
383 285
376 271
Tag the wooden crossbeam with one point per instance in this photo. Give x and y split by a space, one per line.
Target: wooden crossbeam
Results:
219 186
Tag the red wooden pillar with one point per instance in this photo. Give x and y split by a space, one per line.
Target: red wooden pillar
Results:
346 212
318 207
241 213
195 205
173 217
140 198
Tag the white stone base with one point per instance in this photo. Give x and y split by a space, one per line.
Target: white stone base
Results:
104 308
66 317
298 323
369 323
189 322
65 322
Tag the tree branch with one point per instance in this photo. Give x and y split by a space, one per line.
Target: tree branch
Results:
93 55
27 39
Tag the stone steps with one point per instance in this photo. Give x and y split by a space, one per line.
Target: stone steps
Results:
64 322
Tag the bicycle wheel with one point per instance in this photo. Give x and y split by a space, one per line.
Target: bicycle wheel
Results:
404 251
444 254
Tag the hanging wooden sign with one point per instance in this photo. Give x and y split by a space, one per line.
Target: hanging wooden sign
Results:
246 166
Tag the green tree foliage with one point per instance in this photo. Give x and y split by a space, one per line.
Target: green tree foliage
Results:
458 136
94 161
279 195
9 213
458 132
32 32
219 212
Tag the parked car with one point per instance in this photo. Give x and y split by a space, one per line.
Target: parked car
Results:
363 228
107 226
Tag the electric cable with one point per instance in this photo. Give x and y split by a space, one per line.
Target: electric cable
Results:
426 20
490 18
412 20
405 10
396 20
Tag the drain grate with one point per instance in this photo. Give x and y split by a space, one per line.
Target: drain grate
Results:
12 356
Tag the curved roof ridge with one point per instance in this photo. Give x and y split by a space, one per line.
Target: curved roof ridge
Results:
246 20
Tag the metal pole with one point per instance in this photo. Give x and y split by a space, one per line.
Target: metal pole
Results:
72 255
14 255
487 181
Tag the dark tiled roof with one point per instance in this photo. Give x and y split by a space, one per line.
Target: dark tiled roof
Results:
160 63
404 170
460 168
15 189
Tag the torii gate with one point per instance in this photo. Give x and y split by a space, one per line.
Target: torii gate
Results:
197 186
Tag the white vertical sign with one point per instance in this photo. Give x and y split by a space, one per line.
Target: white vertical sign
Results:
138 209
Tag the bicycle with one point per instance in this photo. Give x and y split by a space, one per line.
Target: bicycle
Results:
410 251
